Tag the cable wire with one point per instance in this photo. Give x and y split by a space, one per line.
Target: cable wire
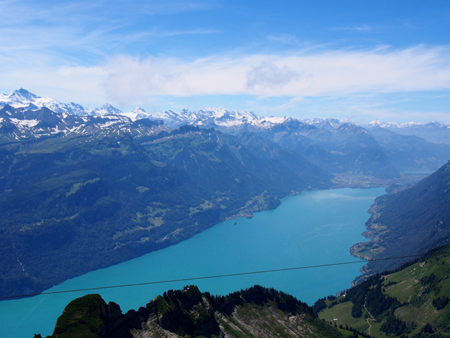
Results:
209 277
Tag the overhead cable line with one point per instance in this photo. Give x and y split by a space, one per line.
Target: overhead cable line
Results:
209 277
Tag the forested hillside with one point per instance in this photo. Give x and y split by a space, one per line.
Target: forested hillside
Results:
73 204
410 302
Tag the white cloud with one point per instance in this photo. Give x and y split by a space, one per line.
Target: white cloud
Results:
130 78
84 31
268 75
333 75
325 73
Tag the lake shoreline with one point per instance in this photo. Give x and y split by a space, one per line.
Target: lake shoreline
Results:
302 231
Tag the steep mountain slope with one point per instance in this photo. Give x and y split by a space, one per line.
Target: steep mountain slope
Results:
411 302
408 222
70 210
72 203
255 312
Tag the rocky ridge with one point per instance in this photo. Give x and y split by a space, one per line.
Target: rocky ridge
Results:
254 312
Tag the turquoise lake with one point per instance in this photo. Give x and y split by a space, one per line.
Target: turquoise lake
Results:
313 228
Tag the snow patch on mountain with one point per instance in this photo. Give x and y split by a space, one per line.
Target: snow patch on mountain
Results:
24 123
219 118
137 114
106 109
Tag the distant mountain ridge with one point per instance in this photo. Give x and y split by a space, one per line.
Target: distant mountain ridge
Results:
22 98
19 124
207 117
433 131
335 146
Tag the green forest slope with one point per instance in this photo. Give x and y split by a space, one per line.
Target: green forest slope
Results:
411 302
70 205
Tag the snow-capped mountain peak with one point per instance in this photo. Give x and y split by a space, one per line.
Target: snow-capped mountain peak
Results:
106 109
18 98
207 117
22 98
22 95
138 113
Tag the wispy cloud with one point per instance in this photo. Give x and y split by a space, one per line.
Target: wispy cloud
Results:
125 79
362 28
268 75
86 30
285 39
336 73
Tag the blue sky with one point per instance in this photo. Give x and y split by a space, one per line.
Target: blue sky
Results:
355 60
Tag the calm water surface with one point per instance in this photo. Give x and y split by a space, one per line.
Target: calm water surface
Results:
313 228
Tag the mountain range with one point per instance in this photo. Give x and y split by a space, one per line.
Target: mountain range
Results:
82 189
335 146
219 118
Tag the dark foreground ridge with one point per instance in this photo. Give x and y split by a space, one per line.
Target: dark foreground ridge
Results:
254 312
410 302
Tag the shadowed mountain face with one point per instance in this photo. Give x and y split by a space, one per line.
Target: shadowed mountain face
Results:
409 222
348 148
214 160
75 203
411 152
254 312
